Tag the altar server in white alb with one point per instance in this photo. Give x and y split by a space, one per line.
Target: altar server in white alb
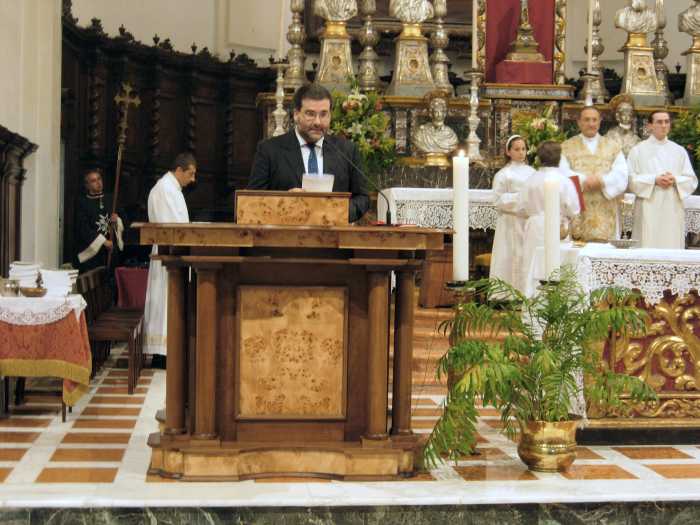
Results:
661 177
166 203
507 252
531 204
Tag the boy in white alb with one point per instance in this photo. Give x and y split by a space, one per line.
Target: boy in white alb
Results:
531 204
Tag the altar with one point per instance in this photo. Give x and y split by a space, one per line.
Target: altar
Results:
278 350
667 357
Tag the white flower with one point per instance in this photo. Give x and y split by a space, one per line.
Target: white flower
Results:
355 129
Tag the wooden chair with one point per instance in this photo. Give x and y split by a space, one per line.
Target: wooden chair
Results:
110 323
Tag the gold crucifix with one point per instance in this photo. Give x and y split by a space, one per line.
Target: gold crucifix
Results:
124 99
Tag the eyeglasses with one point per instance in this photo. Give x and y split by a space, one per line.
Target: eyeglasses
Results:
313 115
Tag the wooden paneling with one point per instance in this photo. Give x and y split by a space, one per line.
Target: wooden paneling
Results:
13 150
189 101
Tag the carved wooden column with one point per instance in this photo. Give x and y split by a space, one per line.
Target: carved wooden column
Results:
13 150
175 377
403 352
377 361
205 394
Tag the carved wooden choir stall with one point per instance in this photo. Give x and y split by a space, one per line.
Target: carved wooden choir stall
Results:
284 332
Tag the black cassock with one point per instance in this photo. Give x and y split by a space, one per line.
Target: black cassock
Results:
92 230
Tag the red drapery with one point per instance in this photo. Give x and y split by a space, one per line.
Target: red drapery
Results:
502 19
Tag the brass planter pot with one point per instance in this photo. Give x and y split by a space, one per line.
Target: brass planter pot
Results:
548 447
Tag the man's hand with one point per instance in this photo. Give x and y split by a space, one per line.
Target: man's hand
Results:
593 183
114 218
665 180
108 244
296 189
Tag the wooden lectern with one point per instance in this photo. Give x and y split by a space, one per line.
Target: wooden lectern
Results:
278 348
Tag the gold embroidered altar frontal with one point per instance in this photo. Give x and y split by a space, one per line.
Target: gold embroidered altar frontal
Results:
293 344
668 359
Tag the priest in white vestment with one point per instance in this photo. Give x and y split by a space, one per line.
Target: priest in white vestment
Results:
602 171
166 203
661 177
507 252
531 204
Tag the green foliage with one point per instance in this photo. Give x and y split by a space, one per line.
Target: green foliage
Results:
686 132
526 358
359 117
536 130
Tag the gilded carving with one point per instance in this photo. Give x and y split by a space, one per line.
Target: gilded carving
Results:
667 358
292 352
559 56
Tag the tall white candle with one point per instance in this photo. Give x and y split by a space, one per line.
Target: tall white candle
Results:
589 62
460 217
475 33
552 220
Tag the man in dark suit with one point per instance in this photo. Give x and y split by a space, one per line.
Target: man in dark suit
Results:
281 161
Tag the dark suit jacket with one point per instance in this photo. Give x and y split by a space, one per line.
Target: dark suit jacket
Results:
279 166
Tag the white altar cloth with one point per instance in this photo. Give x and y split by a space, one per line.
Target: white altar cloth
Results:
39 310
649 270
432 208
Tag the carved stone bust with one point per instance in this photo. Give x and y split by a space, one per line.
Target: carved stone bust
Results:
623 133
689 20
335 10
435 137
411 11
637 17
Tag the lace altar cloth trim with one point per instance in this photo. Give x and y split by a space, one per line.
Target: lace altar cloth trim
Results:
432 208
42 310
651 278
438 214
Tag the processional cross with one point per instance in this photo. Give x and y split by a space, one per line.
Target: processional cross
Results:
124 99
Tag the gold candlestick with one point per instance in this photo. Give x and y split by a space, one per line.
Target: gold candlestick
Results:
525 48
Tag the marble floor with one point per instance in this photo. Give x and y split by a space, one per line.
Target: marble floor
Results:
99 458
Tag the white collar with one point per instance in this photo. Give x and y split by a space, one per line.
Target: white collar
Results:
170 177
590 140
303 143
654 140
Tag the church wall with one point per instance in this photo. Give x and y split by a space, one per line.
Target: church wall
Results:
255 27
614 39
182 21
30 103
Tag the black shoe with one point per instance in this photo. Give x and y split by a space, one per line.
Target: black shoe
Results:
159 361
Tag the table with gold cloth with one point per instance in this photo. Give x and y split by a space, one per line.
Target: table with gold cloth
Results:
46 337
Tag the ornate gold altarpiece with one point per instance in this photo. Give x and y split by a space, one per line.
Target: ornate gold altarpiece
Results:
278 350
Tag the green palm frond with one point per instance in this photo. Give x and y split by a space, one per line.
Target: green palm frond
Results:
523 356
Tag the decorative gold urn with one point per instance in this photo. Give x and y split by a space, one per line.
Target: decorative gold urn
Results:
548 447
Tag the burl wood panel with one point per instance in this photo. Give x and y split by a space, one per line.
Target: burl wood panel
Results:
293 343
292 209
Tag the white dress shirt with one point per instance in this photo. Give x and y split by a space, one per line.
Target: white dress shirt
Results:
306 152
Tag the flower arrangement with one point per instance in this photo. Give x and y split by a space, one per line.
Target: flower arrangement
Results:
359 117
686 132
535 130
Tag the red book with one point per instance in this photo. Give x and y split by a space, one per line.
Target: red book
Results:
579 192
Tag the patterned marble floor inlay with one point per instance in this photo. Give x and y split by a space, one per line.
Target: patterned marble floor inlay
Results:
100 454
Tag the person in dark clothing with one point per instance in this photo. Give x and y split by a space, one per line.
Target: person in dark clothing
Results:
280 162
98 231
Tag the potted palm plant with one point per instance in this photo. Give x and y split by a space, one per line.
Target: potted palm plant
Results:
528 357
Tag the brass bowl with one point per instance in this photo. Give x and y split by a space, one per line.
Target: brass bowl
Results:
32 292
548 447
624 243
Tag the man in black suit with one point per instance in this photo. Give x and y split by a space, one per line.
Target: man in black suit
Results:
281 161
